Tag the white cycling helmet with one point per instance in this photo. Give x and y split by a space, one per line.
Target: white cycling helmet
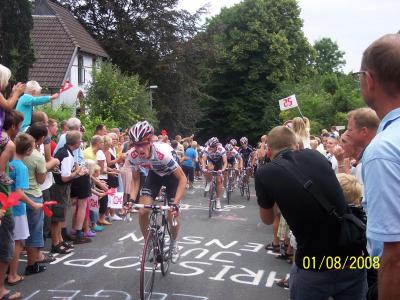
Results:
233 142
213 142
244 140
229 147
141 131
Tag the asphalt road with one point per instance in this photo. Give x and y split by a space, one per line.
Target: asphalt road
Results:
221 258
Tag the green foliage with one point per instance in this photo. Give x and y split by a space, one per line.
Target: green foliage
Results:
60 114
329 58
16 50
257 45
118 99
324 99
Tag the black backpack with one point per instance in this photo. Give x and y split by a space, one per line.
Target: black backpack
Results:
352 229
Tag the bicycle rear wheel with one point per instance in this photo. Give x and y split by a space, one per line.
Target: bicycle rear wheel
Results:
147 268
165 249
211 201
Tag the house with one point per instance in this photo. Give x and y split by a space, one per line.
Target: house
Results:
64 51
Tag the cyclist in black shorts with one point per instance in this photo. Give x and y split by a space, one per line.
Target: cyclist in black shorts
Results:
234 161
163 171
214 158
247 153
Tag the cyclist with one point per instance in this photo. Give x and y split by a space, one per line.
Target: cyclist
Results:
214 158
163 171
233 142
234 161
247 153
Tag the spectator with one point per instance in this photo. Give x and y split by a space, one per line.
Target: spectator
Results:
301 215
12 124
37 174
100 130
30 99
6 150
380 89
24 145
331 143
301 127
188 164
61 191
52 129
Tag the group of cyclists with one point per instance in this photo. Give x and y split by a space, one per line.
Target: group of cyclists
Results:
160 162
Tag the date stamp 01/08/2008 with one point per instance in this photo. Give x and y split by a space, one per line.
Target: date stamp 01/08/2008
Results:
341 263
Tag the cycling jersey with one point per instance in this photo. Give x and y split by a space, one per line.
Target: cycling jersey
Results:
160 162
246 154
215 156
232 156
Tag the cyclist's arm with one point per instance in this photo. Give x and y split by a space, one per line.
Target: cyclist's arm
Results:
225 163
180 191
240 159
135 184
204 162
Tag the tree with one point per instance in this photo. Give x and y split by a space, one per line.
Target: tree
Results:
152 39
16 50
324 99
115 97
329 58
255 45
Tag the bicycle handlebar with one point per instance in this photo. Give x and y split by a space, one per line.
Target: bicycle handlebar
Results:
173 207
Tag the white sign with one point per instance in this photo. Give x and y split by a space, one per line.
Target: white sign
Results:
288 102
94 203
116 200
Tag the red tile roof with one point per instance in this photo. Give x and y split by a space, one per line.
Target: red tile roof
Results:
55 36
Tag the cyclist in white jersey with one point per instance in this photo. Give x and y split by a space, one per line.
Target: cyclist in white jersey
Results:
234 161
214 158
163 171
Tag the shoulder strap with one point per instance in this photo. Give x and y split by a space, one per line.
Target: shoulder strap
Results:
312 188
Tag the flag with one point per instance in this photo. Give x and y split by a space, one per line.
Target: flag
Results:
66 86
288 102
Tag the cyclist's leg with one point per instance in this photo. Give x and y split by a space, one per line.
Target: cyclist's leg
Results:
171 184
208 176
217 167
149 191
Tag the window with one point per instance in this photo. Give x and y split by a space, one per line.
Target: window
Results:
81 70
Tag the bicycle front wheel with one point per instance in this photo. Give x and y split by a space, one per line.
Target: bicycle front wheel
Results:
165 249
148 268
247 191
211 201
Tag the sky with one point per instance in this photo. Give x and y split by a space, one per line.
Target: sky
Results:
353 24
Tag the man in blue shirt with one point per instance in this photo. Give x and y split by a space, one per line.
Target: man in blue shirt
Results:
380 88
188 163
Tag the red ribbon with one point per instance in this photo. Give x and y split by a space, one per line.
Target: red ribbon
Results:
111 191
47 211
10 201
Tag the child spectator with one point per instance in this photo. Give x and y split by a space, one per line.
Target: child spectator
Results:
12 124
37 174
352 191
24 145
